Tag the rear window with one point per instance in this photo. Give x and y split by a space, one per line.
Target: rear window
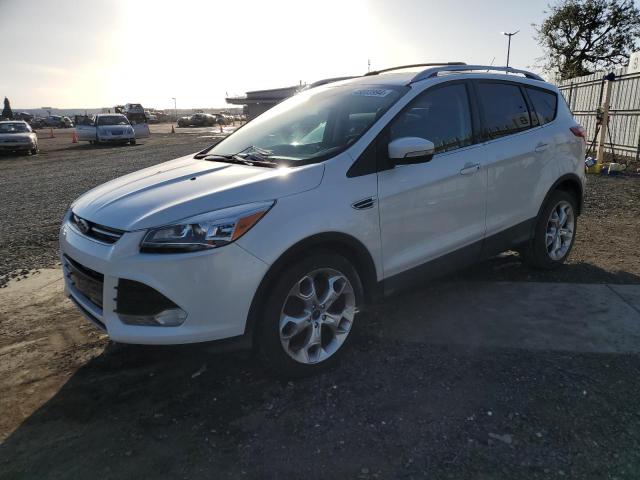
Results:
545 104
505 109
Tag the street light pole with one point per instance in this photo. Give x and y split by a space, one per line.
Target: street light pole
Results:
509 43
175 107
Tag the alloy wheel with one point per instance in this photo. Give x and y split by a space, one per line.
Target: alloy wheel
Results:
317 315
560 228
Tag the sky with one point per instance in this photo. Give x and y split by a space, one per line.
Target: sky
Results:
100 53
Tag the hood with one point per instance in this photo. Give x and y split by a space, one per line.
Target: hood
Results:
185 187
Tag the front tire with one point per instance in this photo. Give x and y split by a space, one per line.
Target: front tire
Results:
310 315
555 232
132 141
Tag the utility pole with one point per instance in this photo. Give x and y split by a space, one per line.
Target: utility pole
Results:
604 125
368 65
509 43
175 107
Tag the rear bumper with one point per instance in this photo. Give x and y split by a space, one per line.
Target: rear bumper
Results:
18 147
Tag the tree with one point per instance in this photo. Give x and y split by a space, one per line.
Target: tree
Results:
6 111
582 36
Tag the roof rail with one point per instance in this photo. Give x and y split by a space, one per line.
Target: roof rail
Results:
376 72
433 72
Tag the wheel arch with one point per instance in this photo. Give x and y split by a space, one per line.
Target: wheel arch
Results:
570 183
346 245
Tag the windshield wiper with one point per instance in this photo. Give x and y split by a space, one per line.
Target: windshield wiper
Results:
242 160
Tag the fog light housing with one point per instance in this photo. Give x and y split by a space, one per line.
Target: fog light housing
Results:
173 317
139 304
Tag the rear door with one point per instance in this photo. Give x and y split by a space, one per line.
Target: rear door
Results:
434 208
518 154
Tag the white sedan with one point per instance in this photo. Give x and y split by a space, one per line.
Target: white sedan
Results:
17 136
111 128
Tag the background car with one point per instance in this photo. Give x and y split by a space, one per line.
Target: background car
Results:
198 120
57 121
107 128
17 136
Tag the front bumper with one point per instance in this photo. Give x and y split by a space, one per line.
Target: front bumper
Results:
215 288
116 139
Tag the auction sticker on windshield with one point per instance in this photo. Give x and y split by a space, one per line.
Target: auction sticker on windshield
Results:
372 92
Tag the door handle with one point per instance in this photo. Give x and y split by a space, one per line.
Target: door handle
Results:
541 147
470 169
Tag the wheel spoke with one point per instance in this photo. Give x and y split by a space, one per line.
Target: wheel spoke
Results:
549 239
334 290
565 233
562 217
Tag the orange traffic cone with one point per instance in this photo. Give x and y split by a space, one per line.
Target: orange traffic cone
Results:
173 130
51 135
74 137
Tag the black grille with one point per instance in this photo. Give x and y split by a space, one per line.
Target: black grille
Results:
93 230
135 298
88 282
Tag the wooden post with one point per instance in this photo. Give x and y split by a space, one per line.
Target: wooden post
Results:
605 121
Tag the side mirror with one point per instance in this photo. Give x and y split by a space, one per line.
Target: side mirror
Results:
410 150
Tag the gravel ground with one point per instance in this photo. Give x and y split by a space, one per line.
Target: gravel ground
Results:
35 192
74 405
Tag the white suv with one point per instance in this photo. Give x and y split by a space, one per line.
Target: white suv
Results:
283 231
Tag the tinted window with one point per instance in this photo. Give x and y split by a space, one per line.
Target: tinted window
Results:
505 110
544 104
441 115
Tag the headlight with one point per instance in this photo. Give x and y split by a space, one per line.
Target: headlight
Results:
206 231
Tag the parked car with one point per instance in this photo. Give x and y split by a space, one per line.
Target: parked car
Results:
17 136
151 117
198 120
107 128
282 232
37 122
57 121
27 117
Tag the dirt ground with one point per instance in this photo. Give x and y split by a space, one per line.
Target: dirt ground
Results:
74 405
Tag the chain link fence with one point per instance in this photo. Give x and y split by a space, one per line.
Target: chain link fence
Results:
585 94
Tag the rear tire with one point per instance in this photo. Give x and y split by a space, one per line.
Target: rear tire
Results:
309 315
555 232
132 141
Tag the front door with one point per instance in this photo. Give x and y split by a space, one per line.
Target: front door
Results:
85 128
431 209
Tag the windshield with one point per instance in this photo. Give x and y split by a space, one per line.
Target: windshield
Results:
17 127
113 120
313 124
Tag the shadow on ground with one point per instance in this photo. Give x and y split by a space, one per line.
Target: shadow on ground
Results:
508 267
393 409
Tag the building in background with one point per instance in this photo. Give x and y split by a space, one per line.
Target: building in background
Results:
259 101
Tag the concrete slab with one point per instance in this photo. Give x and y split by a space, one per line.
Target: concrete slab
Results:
629 293
532 316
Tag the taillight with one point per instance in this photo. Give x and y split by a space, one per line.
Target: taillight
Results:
578 131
